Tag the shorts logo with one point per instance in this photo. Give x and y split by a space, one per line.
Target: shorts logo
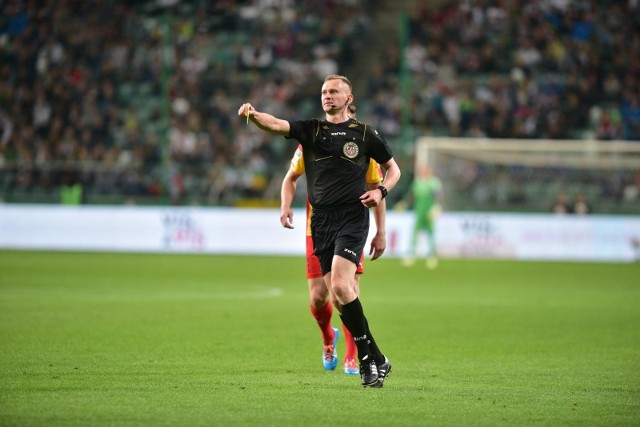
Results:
349 251
350 149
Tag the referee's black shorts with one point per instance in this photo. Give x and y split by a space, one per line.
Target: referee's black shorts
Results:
341 231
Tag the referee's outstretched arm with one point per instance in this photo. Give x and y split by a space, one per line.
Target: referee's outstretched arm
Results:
264 121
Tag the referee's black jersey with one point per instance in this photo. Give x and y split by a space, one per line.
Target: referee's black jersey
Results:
336 159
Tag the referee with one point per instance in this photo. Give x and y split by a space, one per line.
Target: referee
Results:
337 151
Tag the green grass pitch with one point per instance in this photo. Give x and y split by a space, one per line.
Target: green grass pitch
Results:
200 340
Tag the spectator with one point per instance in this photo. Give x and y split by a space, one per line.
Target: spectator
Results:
580 205
90 87
561 204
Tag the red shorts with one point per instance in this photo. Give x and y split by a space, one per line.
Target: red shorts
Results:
313 264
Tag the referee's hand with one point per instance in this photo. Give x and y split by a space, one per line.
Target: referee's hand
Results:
371 198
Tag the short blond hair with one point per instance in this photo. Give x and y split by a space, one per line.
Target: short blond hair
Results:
339 77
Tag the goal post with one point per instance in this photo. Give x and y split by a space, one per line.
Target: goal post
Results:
528 174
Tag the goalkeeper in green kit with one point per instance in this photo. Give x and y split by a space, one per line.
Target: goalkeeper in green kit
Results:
426 192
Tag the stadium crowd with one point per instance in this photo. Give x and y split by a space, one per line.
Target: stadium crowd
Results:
514 69
82 85
550 69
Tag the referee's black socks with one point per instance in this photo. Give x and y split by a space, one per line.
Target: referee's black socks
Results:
373 347
353 317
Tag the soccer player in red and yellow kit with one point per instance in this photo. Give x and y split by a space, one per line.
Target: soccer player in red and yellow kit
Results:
319 303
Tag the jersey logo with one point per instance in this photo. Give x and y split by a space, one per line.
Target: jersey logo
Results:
350 149
353 125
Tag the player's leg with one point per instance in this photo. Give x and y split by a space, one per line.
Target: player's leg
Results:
321 309
320 306
432 253
410 259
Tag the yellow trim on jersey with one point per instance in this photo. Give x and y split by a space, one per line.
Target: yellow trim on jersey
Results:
374 176
297 162
374 173
309 213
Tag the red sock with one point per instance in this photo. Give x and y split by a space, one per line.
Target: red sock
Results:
351 351
323 317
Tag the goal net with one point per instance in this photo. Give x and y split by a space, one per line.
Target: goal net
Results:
531 175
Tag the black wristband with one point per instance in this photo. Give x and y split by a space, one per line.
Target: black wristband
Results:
383 190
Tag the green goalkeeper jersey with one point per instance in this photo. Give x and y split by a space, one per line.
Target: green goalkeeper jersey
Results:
425 194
